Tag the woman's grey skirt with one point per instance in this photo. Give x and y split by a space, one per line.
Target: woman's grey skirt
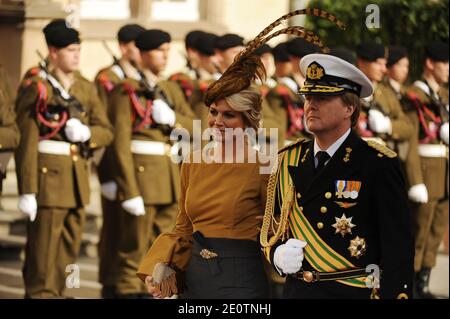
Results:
222 268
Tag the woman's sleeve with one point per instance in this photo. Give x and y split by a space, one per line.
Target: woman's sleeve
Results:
172 249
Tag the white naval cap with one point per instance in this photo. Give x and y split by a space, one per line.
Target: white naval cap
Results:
330 75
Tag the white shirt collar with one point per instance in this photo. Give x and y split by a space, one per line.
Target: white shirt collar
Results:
334 147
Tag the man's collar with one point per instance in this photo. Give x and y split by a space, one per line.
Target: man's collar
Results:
334 147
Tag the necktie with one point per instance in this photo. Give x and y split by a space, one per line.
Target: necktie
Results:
322 157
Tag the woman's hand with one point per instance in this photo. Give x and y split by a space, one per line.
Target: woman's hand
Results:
152 289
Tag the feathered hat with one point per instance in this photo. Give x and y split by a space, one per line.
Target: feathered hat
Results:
247 66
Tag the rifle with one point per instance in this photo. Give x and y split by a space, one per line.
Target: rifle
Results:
64 102
107 48
153 93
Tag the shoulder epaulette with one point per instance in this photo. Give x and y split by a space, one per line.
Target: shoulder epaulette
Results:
382 149
295 143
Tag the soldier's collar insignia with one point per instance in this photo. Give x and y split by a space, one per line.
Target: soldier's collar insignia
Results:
343 225
357 247
347 189
314 71
348 150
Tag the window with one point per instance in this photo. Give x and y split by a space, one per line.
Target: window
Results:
175 10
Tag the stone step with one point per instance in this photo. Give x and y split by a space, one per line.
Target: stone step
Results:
12 246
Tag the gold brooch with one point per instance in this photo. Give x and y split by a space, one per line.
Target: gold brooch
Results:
357 247
207 254
343 225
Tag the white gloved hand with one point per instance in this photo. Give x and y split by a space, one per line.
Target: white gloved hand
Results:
289 257
418 194
135 206
109 190
162 113
77 131
379 123
443 132
28 205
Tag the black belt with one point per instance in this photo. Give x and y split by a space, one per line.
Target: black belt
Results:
315 276
213 249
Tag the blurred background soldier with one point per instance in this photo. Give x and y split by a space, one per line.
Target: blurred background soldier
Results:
297 49
106 80
227 47
62 120
429 112
344 53
9 133
393 85
144 114
270 118
284 98
201 60
382 117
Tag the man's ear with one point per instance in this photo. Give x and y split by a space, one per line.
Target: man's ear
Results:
349 110
429 64
52 52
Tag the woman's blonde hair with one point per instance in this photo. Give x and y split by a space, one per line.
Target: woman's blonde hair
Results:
248 102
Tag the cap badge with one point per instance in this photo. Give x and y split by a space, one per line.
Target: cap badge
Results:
315 71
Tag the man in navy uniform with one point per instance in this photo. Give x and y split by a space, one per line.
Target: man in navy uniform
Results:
337 205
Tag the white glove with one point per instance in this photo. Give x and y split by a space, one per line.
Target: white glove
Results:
418 194
443 132
162 113
289 257
379 123
135 206
109 190
28 205
77 131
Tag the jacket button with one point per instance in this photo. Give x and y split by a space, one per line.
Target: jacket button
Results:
323 209
44 170
75 158
299 195
327 195
320 225
141 169
73 148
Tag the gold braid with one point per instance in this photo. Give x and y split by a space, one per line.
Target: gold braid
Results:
269 220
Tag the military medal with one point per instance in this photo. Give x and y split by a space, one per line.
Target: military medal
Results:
347 189
343 225
357 247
